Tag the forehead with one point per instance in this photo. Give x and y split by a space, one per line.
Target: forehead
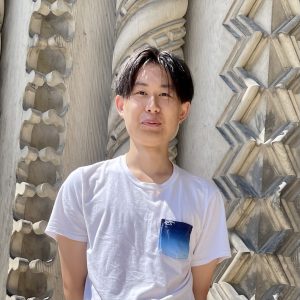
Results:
153 74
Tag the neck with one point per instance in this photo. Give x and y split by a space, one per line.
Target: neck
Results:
149 164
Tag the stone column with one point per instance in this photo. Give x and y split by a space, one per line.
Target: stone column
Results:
258 169
55 87
36 64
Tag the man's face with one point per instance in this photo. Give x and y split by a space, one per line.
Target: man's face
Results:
153 111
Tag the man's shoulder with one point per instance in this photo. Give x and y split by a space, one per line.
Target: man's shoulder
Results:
197 182
102 166
94 171
199 194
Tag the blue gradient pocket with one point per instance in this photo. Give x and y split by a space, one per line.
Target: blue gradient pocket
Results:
174 238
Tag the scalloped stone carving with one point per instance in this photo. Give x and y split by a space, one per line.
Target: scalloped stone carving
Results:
42 134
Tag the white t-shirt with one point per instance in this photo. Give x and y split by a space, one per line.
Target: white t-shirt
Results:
142 238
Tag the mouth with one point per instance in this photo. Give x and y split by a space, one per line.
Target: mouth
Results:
151 123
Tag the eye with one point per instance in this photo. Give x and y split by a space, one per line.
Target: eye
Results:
142 93
165 95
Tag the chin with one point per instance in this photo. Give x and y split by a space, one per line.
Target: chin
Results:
151 142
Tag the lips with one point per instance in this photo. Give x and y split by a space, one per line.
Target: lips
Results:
151 122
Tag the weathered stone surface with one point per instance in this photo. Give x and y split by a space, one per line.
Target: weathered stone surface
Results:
1 18
207 46
38 105
224 290
35 158
55 90
12 84
89 85
259 174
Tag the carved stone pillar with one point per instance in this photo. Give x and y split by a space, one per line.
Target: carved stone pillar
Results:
261 123
55 87
259 175
50 27
160 23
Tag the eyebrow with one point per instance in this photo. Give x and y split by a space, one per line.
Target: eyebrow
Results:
163 85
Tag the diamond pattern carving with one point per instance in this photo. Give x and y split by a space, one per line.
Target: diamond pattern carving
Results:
265 115
261 224
258 171
247 16
267 47
288 255
292 144
291 203
260 175
259 275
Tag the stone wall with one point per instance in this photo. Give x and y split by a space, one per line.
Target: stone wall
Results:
254 158
58 61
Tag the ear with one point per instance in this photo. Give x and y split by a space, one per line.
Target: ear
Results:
119 101
185 109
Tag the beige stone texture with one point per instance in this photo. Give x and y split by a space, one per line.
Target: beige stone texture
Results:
75 71
15 41
89 85
57 66
207 46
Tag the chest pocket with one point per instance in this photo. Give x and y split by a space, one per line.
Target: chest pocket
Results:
174 238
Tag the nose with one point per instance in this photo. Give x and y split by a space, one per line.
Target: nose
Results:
152 105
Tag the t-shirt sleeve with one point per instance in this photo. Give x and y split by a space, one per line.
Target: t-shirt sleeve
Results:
213 240
67 216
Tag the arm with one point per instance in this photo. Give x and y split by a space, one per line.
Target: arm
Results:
202 277
73 267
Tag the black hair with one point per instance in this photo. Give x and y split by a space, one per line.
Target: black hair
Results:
173 65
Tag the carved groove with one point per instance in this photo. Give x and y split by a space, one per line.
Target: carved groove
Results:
260 174
1 18
161 24
223 290
38 173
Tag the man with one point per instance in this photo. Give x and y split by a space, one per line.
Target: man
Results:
138 226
